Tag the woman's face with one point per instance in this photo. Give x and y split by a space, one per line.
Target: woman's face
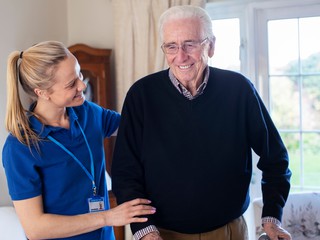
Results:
69 86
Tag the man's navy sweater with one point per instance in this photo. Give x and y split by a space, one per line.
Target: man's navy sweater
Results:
192 159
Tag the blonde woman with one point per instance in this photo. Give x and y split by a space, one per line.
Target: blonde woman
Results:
54 156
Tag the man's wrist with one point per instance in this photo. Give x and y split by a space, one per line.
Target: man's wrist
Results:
270 220
143 232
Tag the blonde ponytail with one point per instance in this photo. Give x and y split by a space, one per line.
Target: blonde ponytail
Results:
35 69
16 121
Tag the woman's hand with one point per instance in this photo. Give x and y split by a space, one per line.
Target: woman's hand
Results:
129 212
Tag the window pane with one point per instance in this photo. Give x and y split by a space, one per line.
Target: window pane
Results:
292 142
294 91
283 45
311 103
226 54
284 102
311 153
310 44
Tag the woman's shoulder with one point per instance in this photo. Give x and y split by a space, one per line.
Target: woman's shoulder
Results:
91 110
86 107
13 146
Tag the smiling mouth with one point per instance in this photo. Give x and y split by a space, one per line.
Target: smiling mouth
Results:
78 96
185 67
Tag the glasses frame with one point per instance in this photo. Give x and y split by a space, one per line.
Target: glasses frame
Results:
182 46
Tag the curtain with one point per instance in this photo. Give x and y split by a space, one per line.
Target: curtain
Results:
137 49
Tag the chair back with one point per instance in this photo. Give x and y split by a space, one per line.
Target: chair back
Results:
301 215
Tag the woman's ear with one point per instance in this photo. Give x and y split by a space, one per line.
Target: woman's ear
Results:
41 93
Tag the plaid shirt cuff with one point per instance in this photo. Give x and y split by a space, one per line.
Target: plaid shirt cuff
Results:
141 233
270 220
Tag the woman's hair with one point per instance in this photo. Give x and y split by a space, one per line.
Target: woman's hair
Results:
33 68
187 11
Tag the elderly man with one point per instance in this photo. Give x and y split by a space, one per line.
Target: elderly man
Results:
185 142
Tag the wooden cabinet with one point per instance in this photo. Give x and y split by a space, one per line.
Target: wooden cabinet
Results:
95 67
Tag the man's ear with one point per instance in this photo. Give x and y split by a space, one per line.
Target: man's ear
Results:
211 47
41 93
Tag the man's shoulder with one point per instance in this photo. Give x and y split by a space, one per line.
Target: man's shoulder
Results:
219 72
230 78
153 77
151 81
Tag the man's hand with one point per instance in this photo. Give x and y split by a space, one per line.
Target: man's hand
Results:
152 236
276 232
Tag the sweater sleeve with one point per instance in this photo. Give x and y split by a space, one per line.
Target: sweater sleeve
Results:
266 142
128 184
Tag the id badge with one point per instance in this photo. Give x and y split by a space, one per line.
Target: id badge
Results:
96 204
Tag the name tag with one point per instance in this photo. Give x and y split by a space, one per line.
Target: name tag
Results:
96 204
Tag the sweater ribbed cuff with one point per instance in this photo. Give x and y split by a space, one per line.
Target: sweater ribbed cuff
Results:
141 233
270 220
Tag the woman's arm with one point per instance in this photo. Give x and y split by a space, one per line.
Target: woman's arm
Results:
40 225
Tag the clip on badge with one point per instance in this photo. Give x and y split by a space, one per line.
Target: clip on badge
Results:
96 204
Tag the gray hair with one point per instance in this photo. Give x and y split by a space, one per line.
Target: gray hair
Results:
187 11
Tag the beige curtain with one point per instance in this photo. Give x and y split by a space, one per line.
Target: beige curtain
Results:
137 45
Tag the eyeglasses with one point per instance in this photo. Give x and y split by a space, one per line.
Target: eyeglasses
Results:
188 46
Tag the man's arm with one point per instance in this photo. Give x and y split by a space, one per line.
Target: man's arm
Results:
127 168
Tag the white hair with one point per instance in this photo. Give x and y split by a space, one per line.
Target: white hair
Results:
187 11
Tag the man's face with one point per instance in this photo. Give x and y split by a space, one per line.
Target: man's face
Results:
187 67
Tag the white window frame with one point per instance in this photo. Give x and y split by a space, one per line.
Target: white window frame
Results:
261 14
253 45
262 17
232 9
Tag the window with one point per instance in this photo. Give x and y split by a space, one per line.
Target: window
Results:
227 54
294 93
278 45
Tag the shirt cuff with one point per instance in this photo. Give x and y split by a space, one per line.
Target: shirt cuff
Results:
142 232
270 220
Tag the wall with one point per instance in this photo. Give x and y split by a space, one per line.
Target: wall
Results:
90 22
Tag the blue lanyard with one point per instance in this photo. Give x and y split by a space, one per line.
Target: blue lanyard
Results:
91 176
